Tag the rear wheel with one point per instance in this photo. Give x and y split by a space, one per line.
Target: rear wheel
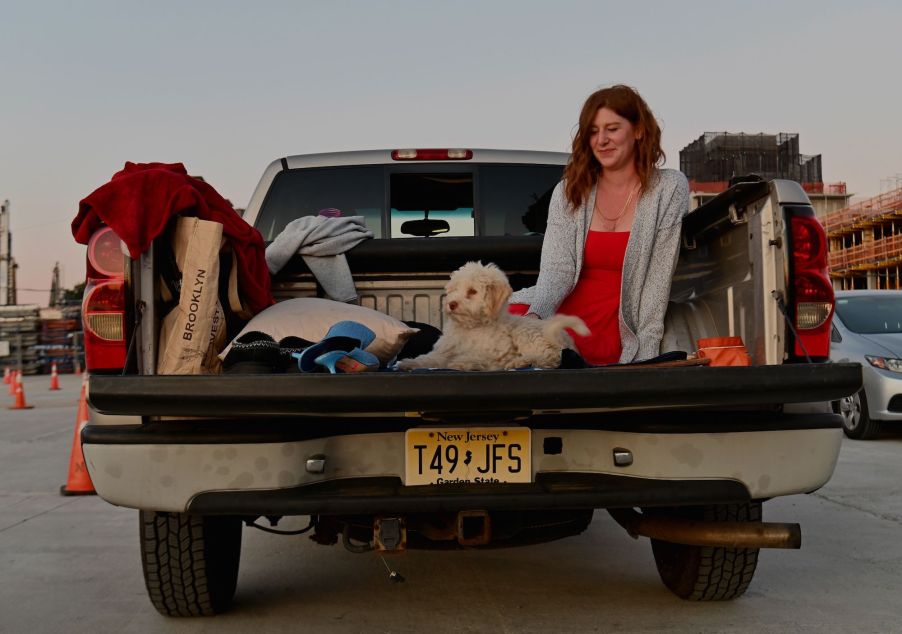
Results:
856 422
708 573
190 562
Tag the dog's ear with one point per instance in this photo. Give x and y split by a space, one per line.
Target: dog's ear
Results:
496 294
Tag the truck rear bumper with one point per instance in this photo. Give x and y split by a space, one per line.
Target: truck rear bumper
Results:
180 466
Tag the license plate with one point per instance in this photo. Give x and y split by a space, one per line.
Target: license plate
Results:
476 456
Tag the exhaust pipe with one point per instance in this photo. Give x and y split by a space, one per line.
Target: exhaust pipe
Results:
701 533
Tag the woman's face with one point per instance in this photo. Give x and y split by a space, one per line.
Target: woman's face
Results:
612 139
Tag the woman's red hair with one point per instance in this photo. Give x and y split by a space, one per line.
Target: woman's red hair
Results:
583 168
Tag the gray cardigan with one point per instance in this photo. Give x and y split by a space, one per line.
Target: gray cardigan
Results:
651 256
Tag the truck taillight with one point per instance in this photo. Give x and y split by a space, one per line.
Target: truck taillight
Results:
103 310
103 307
105 257
432 154
812 292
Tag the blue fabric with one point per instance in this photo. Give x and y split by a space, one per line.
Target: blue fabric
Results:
344 336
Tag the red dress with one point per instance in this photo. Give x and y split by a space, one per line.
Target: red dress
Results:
596 298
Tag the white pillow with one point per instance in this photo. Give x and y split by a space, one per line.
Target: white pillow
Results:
311 317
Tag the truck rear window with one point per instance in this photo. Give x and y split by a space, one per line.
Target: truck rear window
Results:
415 201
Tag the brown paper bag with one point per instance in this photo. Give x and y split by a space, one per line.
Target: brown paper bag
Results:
193 332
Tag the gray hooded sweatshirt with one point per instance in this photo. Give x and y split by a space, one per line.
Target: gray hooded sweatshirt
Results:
651 256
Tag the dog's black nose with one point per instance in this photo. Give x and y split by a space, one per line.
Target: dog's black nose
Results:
452 306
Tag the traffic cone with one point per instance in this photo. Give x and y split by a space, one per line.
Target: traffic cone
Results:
6 375
77 365
20 395
12 382
78 482
54 377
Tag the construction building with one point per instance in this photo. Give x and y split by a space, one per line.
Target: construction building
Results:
865 243
713 159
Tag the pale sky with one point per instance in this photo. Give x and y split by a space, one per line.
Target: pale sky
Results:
226 87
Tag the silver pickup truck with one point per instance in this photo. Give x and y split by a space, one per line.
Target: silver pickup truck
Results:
683 455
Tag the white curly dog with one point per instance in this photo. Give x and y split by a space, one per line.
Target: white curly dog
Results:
480 333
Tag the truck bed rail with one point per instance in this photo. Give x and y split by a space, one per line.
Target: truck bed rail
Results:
468 392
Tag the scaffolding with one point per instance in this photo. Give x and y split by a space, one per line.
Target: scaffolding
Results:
716 157
865 243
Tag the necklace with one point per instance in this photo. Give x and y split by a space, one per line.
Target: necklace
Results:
622 211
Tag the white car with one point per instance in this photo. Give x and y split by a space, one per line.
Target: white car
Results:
867 328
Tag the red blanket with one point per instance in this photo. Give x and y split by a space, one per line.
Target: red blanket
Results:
139 201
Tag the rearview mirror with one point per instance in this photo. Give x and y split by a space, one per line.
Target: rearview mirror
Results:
425 228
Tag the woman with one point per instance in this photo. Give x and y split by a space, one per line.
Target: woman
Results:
613 232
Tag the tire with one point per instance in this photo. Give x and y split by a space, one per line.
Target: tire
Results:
856 421
190 562
707 573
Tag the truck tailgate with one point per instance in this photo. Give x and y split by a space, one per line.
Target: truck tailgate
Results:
389 393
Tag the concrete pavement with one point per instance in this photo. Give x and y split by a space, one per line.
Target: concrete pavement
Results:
73 564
